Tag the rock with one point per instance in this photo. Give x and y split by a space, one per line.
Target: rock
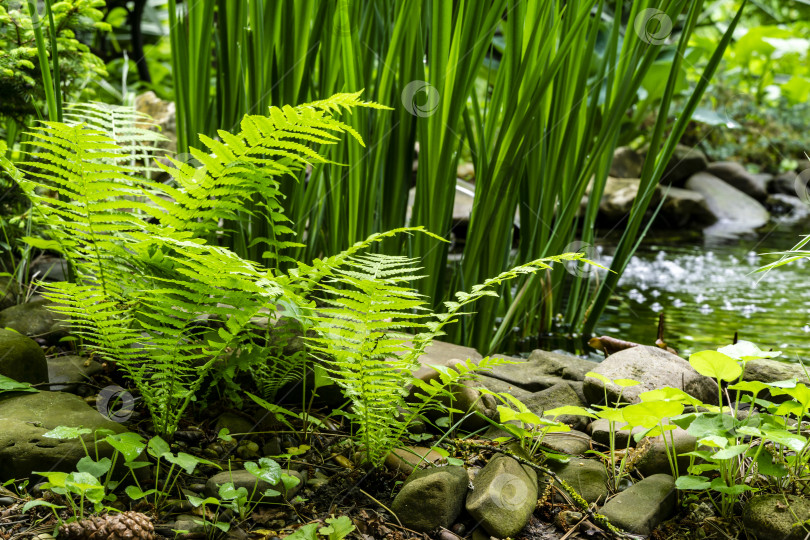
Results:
737 176
164 115
619 195
242 478
654 458
627 163
653 368
443 354
572 442
558 395
431 498
22 359
49 268
736 212
66 372
768 371
685 208
463 202
600 433
685 162
643 506
497 385
587 476
35 319
466 171
542 370
408 458
25 418
767 517
503 496
779 204
786 184
9 292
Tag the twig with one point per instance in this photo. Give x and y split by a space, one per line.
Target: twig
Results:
381 504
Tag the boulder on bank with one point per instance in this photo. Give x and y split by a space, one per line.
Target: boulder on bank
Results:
734 174
736 211
431 498
503 497
685 162
35 319
26 418
543 369
767 517
652 368
627 163
619 195
685 208
21 358
643 506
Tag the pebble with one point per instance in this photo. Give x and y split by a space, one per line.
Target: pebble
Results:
459 529
6 501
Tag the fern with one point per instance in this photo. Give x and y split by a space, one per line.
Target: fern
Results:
245 166
145 276
369 306
362 337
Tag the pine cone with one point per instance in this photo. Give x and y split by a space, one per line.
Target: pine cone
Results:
124 526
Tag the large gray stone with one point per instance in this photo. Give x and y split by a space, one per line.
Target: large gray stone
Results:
9 292
772 516
767 371
654 459
503 497
652 368
431 498
619 195
736 212
685 208
737 176
24 420
643 506
542 370
34 319
242 478
685 162
21 358
66 372
588 477
627 163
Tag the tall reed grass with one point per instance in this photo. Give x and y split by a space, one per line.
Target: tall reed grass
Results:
539 91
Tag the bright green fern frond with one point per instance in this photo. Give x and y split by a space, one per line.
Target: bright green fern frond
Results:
245 166
362 338
133 132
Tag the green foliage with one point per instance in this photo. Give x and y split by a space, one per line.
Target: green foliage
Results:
21 82
8 384
143 281
734 454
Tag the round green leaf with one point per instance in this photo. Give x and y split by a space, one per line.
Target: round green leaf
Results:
716 365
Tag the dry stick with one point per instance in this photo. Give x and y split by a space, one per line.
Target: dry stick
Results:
581 503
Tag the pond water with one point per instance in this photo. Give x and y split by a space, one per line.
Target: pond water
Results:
708 290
